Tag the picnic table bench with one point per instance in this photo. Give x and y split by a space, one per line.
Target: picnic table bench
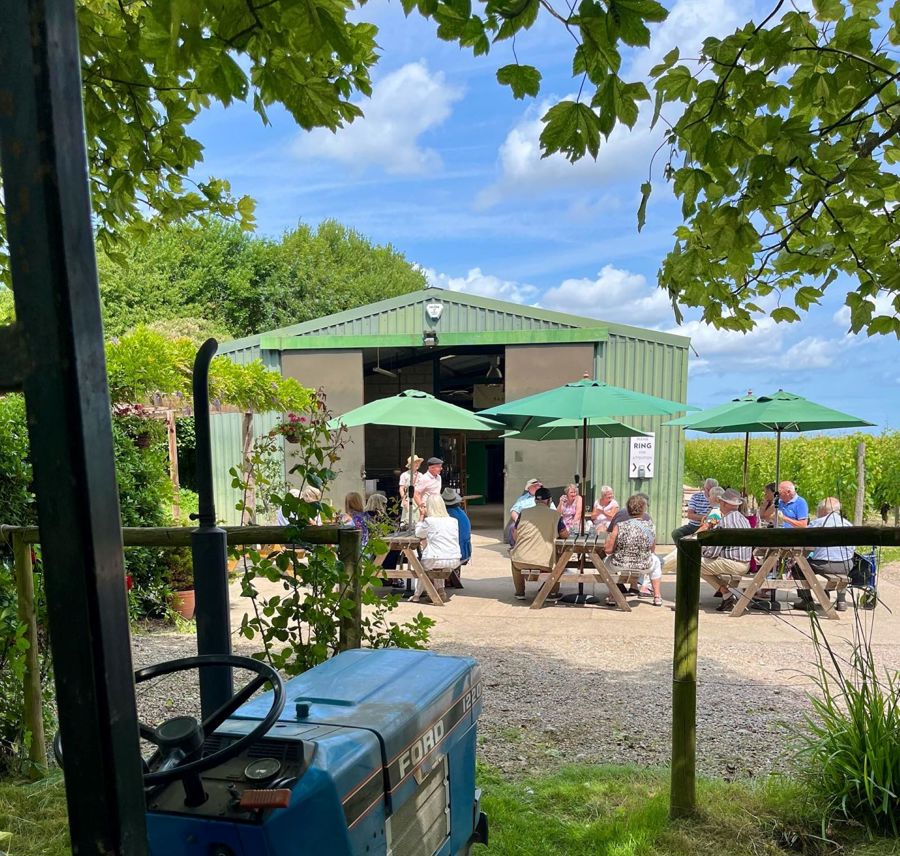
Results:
572 555
751 584
407 544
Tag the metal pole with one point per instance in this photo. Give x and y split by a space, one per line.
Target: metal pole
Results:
777 478
683 796
413 470
31 682
746 461
209 551
60 337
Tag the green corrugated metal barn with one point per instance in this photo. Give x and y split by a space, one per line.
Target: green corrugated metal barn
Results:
475 352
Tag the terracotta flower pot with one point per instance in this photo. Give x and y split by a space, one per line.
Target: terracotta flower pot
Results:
183 603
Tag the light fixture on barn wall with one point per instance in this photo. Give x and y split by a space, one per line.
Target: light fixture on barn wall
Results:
429 338
378 369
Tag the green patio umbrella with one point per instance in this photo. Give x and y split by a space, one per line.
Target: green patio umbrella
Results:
718 411
779 412
414 409
581 401
600 427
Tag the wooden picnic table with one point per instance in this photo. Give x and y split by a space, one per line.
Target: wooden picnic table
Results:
579 549
408 545
790 555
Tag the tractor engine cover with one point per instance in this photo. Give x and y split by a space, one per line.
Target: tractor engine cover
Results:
374 753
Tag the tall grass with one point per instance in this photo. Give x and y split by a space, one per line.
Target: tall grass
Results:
852 747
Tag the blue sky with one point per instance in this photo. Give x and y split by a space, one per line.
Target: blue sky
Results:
445 166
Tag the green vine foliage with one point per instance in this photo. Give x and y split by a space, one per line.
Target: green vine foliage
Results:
300 594
819 466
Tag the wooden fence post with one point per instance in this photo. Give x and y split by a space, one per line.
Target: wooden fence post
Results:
683 796
860 485
34 711
349 553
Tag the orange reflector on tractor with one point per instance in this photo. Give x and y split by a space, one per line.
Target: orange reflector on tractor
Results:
253 799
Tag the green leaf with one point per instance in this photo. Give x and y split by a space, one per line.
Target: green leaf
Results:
668 61
784 314
570 128
806 296
646 189
522 79
828 10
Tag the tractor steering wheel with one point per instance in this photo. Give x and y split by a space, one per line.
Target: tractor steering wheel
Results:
180 739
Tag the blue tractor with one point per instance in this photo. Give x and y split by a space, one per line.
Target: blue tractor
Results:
371 753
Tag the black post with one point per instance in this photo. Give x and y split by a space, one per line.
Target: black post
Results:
209 550
63 375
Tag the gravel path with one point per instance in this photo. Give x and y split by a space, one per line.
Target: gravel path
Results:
566 685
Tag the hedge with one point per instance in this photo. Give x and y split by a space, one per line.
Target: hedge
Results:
820 466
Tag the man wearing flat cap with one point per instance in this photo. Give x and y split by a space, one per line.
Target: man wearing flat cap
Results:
429 483
723 567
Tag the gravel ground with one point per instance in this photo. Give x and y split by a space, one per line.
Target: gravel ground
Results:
566 686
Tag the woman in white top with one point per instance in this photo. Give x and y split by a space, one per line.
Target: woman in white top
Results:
442 534
605 508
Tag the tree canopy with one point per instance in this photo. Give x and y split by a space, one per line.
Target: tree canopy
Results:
780 140
242 284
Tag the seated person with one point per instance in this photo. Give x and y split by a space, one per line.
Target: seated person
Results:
792 508
605 508
441 532
308 494
698 505
453 502
354 514
534 540
526 500
723 567
827 561
570 509
630 545
767 506
714 515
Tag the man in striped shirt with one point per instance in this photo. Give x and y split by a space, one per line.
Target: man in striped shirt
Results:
698 507
723 567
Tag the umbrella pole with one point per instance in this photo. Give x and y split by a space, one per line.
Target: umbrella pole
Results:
411 490
584 496
746 459
777 476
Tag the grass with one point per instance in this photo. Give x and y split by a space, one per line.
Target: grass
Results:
622 811
578 811
33 819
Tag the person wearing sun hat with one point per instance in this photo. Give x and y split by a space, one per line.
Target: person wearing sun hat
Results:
723 567
453 501
414 464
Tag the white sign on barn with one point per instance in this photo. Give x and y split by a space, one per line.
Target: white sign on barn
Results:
640 459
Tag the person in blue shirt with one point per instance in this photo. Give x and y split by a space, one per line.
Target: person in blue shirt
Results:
453 501
792 508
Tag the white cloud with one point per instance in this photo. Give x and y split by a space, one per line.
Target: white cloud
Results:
627 153
485 285
614 295
405 104
884 305
813 352
523 172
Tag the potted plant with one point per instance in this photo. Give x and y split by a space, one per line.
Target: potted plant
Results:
180 577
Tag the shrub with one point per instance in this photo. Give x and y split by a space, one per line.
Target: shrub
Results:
300 627
852 746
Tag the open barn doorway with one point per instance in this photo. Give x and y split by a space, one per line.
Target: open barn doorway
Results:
467 376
